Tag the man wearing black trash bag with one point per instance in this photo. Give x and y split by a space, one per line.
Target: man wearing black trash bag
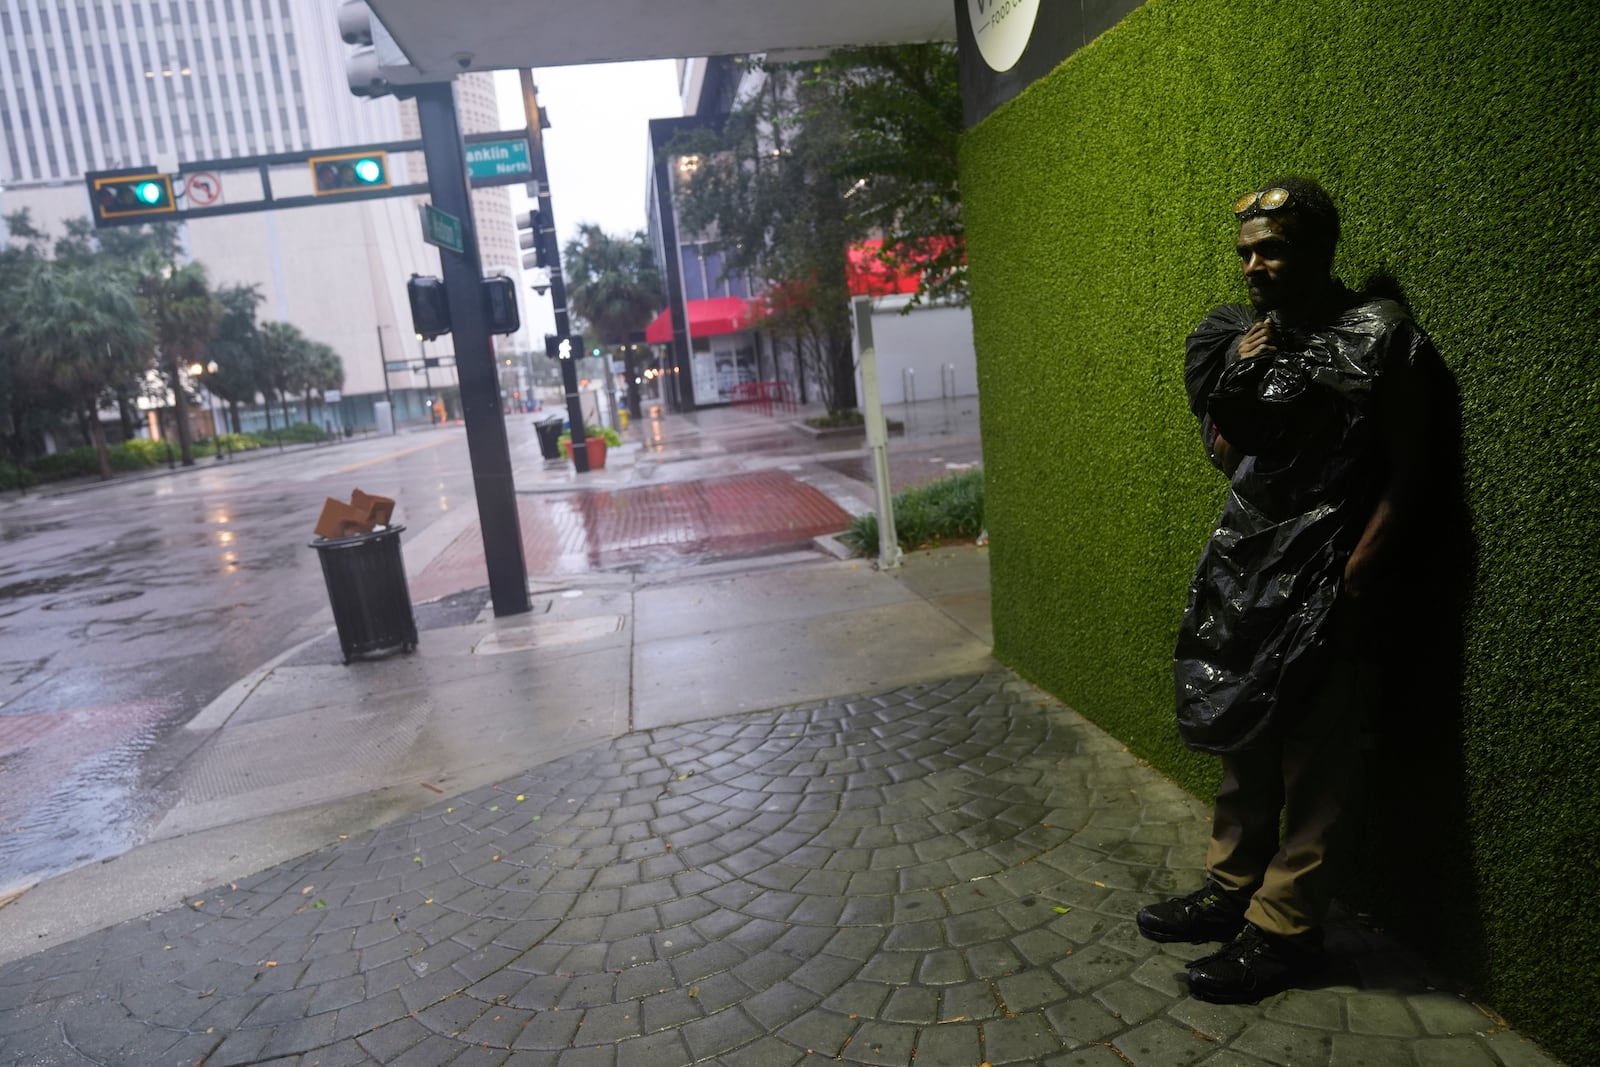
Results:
1313 405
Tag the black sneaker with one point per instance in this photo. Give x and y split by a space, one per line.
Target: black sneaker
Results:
1253 966
1210 913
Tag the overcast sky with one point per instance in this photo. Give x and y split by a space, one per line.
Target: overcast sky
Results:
597 146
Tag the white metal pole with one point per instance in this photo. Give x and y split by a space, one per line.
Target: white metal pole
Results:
889 554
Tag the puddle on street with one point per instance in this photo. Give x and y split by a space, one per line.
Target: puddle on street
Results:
54 583
73 792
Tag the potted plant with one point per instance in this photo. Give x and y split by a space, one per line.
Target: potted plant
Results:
599 439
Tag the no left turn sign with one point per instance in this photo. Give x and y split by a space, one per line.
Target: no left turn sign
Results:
203 188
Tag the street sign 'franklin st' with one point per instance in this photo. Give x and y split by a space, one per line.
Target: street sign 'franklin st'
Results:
506 158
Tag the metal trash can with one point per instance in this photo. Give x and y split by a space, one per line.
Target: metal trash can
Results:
549 429
366 581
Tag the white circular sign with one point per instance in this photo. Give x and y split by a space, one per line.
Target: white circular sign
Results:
202 188
1002 29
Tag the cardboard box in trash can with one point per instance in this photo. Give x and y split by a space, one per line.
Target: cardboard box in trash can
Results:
379 509
359 516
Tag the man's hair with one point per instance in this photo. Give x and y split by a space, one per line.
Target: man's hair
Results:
1316 219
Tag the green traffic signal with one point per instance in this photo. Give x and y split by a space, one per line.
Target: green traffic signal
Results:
349 172
130 196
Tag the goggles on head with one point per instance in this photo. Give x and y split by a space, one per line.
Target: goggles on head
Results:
1268 200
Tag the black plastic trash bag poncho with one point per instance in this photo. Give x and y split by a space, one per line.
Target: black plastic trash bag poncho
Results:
1253 642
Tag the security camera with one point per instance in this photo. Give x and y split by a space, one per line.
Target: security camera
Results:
463 60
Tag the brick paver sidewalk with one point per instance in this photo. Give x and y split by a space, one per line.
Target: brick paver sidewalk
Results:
944 874
675 523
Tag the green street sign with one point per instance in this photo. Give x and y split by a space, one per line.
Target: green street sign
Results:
499 159
441 229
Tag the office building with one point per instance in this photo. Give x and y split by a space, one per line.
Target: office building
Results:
98 86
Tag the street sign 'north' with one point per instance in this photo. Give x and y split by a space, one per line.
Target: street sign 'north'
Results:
507 158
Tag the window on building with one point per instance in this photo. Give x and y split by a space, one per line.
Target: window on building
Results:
716 284
694 283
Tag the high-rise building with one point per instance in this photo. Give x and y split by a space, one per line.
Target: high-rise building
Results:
117 83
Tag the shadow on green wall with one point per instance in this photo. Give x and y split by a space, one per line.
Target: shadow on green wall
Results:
1414 856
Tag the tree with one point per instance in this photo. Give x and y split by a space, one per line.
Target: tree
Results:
285 352
768 193
820 157
321 369
183 314
614 286
19 410
236 349
901 106
123 250
79 331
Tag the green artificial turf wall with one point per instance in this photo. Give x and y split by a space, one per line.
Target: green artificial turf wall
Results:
1460 142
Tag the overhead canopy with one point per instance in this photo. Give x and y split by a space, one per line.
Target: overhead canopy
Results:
707 318
465 35
869 274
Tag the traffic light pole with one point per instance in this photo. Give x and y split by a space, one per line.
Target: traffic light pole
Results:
475 365
558 285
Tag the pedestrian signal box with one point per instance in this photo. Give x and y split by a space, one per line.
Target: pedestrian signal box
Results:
131 196
500 305
430 311
349 172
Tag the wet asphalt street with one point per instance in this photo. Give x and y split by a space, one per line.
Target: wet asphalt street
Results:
124 609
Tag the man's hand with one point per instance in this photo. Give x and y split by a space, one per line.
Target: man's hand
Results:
1226 455
1258 340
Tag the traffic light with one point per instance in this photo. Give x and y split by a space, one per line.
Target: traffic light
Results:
530 234
350 172
363 71
132 195
430 311
500 305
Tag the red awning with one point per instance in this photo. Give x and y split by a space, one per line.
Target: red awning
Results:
707 318
869 275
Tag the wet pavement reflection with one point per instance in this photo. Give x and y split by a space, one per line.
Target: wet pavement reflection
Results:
126 609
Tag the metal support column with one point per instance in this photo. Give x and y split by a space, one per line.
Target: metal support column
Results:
475 366
558 284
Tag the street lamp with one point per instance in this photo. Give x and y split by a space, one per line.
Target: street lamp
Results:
201 370
383 357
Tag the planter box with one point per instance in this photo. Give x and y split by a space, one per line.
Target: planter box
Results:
597 451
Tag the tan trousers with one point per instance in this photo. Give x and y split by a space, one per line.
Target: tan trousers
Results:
1305 774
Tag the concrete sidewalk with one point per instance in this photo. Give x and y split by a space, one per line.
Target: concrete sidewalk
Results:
784 811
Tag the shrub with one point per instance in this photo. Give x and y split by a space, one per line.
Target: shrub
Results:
138 454
239 442
948 509
300 433
70 463
15 477
613 438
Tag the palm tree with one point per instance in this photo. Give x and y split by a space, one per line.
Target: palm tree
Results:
614 286
79 332
236 349
183 313
285 352
323 370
